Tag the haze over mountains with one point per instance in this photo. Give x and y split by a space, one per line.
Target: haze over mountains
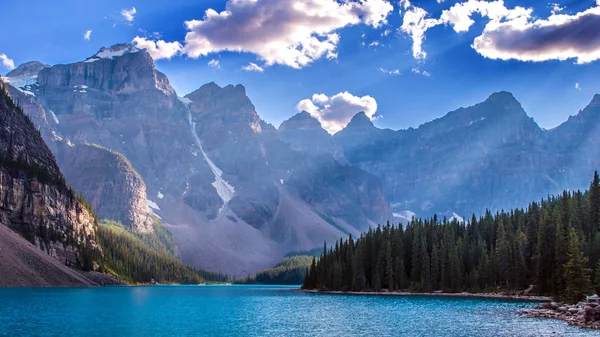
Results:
238 194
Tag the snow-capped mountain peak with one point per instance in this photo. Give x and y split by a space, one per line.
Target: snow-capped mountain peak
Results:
117 50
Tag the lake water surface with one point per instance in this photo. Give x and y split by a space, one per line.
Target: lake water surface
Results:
258 311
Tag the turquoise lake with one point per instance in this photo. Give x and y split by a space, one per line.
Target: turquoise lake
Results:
258 311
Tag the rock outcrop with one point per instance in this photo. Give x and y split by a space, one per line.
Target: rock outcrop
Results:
34 198
109 183
582 314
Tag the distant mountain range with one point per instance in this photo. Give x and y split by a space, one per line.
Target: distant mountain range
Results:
237 194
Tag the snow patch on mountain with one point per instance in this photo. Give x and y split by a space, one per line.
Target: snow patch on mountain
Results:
456 217
21 81
480 120
224 189
55 117
152 205
184 100
112 52
405 215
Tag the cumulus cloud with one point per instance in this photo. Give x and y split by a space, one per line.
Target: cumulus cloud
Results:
158 49
459 16
214 63
290 33
6 62
335 112
87 35
513 33
577 84
560 37
253 67
128 14
390 71
416 20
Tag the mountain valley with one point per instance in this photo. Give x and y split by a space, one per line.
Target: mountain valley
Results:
237 194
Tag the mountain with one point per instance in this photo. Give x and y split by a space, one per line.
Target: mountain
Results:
305 134
214 171
28 70
578 141
36 202
490 155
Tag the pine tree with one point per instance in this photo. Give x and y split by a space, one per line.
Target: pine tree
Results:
577 276
597 278
545 255
435 267
389 269
561 245
594 200
425 266
504 253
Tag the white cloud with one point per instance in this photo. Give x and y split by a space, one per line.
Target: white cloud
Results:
335 112
128 14
418 70
560 37
6 62
87 35
557 9
374 44
214 63
253 67
513 33
415 24
577 84
158 49
389 31
416 20
459 15
390 71
290 33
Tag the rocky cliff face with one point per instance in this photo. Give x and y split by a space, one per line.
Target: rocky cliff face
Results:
108 182
34 198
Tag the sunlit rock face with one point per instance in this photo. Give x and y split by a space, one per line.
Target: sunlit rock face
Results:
34 198
109 183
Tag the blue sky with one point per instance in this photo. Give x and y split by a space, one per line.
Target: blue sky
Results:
333 75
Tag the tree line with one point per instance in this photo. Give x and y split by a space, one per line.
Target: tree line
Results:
289 271
553 244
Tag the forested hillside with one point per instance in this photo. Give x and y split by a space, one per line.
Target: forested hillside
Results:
290 270
144 258
553 244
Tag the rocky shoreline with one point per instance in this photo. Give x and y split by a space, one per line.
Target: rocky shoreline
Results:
582 314
525 298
